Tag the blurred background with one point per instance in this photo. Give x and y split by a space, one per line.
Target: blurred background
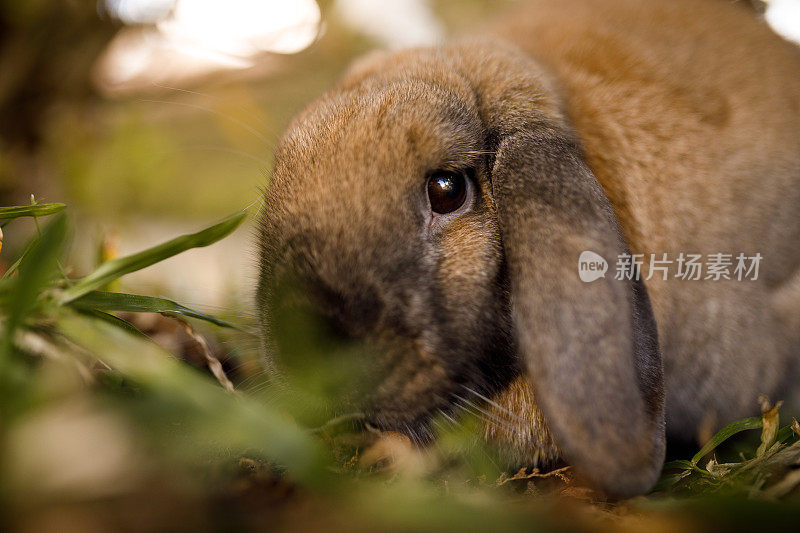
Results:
148 117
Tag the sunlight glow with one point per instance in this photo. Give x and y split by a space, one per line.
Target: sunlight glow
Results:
393 23
243 28
139 11
784 17
196 37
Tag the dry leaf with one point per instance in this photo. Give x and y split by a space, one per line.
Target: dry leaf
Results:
769 431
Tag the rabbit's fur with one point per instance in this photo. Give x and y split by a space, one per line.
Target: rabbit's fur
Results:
618 126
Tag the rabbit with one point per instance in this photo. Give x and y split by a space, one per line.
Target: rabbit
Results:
434 205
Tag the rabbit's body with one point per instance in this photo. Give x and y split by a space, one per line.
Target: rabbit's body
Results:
689 114
660 127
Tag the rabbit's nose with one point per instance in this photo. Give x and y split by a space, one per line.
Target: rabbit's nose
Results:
345 306
352 311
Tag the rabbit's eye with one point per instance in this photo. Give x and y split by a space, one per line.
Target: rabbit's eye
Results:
447 191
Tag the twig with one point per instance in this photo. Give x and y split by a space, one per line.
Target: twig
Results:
213 363
38 345
522 474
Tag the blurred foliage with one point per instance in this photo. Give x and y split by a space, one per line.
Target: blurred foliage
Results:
45 61
165 152
161 156
47 48
101 428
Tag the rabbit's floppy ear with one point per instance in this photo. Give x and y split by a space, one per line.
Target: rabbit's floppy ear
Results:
590 348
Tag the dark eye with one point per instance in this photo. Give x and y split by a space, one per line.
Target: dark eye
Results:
447 191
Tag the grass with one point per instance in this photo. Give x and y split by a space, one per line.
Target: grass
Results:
101 427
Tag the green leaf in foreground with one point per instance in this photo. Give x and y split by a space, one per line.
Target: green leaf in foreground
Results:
116 268
20 299
111 319
726 433
37 210
38 267
135 303
19 260
211 418
678 463
669 477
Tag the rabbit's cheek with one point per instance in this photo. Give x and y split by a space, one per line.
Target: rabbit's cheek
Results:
470 257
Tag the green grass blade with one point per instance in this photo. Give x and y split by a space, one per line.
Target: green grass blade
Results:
678 464
38 210
784 434
111 319
116 268
725 433
668 480
16 263
222 420
135 303
35 272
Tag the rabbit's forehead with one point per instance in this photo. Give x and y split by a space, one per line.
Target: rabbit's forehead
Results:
393 136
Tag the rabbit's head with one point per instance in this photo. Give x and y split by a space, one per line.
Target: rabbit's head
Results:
434 206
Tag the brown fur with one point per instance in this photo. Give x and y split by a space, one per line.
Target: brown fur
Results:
689 113
652 126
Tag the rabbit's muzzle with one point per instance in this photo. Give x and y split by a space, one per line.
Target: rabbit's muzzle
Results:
378 323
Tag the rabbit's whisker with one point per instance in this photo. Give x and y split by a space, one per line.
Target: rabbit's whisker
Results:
208 96
211 148
487 416
449 418
252 383
255 132
252 380
417 436
259 388
495 405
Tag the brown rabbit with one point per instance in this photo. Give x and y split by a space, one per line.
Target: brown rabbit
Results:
436 202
